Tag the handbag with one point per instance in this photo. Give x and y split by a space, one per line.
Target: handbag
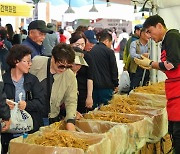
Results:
21 120
124 82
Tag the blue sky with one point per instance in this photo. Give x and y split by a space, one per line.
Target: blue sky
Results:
75 3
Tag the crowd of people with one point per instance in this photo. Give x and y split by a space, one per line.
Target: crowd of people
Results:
64 76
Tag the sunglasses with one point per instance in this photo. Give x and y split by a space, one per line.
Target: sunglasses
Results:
62 67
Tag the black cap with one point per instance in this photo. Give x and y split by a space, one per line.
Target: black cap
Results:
39 25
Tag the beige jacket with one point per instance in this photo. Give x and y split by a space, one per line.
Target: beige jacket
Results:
64 88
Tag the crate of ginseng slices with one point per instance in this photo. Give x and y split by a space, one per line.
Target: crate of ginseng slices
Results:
151 95
139 126
113 131
128 105
51 141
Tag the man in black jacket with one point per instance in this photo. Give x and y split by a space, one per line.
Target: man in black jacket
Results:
105 69
4 110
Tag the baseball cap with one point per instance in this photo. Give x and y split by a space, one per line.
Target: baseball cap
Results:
39 25
138 27
90 35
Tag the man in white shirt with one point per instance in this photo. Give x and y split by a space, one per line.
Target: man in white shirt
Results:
122 39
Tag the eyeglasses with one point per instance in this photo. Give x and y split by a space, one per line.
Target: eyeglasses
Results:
26 61
62 67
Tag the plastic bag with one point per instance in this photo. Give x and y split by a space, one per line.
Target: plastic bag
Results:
21 121
124 82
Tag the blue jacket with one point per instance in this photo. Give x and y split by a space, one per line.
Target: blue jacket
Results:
36 48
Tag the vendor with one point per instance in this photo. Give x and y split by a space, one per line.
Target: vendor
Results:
170 65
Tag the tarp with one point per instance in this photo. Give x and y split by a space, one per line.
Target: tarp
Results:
11 8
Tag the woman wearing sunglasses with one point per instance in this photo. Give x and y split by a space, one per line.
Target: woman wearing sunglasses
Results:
59 83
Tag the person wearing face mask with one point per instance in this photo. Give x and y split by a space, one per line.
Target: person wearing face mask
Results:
37 30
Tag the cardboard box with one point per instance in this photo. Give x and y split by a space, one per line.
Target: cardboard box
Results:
99 144
152 100
138 130
159 122
118 134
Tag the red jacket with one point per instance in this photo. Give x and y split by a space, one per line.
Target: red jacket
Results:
62 38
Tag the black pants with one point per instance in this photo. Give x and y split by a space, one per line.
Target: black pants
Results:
81 106
121 55
174 130
5 139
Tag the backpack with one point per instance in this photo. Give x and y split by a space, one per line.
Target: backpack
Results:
122 46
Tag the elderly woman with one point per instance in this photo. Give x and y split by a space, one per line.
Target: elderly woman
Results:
18 80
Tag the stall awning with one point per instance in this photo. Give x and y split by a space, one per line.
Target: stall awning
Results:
15 9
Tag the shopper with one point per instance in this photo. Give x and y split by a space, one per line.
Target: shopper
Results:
139 76
4 111
121 41
50 40
18 80
105 69
84 75
59 83
126 54
170 65
5 46
37 30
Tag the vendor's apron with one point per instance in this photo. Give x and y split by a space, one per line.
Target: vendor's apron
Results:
172 87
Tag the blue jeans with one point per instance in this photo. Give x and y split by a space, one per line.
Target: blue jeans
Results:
101 96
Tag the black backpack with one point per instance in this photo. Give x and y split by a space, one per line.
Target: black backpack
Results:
122 46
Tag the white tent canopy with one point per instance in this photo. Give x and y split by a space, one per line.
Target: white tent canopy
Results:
116 11
167 3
